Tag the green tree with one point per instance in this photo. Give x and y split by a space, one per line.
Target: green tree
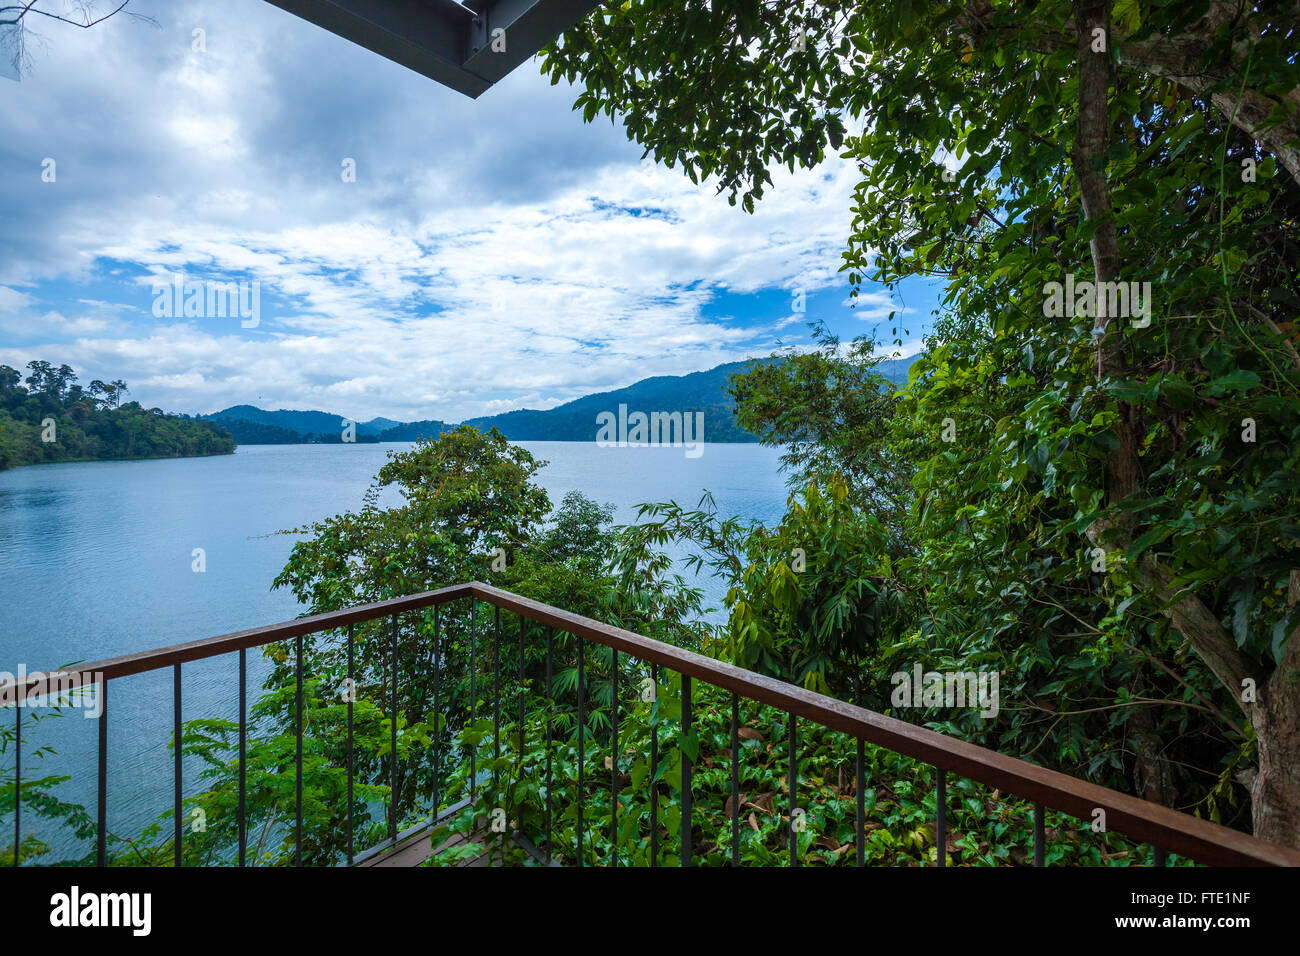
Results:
464 507
1006 147
89 424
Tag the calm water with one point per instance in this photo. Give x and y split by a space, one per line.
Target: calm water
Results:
96 561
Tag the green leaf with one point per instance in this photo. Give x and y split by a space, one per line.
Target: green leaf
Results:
1238 380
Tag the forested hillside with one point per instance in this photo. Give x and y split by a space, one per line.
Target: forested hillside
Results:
49 417
576 420
706 391
414 431
254 433
246 432
307 426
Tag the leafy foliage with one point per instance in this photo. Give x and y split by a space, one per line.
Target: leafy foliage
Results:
531 789
38 796
92 423
1169 445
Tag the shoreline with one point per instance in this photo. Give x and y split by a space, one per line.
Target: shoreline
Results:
83 461
296 444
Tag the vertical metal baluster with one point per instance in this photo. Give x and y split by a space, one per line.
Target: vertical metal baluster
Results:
473 695
735 779
101 810
176 765
862 805
685 859
392 757
297 842
582 723
793 784
654 769
352 693
437 713
941 818
520 695
1162 857
613 760
1040 834
550 709
18 768
496 703
243 756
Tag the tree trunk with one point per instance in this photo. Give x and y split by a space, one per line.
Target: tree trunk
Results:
1275 791
1275 717
1180 59
1152 772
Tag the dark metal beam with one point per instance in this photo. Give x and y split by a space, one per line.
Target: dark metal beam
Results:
427 37
466 47
526 26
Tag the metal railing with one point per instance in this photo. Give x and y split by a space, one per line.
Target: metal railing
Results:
1167 830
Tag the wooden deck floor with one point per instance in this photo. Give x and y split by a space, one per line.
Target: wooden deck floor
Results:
415 847
418 849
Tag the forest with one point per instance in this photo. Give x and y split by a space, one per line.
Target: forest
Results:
48 417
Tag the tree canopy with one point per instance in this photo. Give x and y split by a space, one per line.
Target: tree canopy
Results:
1098 496
52 418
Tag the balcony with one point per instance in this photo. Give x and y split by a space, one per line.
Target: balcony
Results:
529 776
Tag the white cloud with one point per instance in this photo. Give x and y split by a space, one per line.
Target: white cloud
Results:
11 300
492 254
874 306
29 324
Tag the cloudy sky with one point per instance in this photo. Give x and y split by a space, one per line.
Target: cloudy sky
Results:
491 254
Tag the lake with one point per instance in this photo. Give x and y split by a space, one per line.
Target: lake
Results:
96 561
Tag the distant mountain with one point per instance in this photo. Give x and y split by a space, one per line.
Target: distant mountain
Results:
250 425
377 425
896 369
697 392
576 420
252 433
304 423
704 392
414 431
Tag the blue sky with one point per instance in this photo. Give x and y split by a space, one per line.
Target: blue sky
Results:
491 254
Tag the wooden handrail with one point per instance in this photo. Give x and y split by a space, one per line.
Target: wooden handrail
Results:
1167 829
92 673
